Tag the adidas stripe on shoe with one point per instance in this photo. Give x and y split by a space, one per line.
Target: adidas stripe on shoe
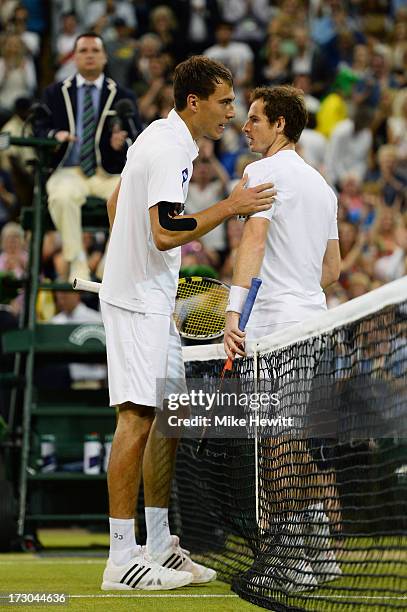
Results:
142 573
176 558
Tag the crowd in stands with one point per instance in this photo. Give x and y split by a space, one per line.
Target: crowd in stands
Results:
349 57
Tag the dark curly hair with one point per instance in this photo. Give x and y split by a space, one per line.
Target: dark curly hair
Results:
284 101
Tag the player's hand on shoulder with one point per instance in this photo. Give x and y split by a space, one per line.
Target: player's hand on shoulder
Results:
233 339
246 201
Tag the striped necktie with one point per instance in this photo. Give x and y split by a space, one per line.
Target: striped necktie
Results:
87 152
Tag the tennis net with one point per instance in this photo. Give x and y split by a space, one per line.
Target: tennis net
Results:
313 517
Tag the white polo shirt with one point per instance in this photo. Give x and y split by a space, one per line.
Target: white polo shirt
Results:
137 276
302 220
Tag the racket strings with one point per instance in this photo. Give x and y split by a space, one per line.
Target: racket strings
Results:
200 307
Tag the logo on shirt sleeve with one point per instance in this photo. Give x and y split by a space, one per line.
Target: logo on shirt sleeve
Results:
184 176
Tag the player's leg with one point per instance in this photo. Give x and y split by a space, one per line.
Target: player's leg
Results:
158 470
132 387
67 191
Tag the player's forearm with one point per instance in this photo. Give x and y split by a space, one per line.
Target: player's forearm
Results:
249 259
206 221
328 277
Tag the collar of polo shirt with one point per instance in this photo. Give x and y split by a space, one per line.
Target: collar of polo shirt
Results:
183 131
81 81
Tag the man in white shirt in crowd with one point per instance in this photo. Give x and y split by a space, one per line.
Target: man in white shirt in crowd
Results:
237 56
137 300
73 311
294 249
349 146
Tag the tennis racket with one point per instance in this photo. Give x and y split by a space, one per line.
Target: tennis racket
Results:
227 368
199 307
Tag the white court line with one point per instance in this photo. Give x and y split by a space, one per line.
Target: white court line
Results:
158 596
219 596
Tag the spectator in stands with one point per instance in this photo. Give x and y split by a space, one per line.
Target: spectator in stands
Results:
351 197
18 25
349 146
80 7
208 184
164 23
312 144
359 284
309 60
199 20
7 8
276 69
72 310
93 245
388 245
165 100
391 182
248 18
353 244
64 46
399 46
120 51
159 75
149 46
101 14
397 124
368 90
18 161
233 143
237 56
332 110
13 253
17 72
8 201
93 149
380 122
234 233
361 60
303 80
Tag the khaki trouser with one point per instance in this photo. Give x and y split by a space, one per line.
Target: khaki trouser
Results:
67 190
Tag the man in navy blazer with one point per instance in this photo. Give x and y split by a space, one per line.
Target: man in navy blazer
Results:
94 141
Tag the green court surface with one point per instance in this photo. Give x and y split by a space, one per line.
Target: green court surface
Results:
73 562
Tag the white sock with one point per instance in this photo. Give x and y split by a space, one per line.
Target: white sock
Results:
158 530
320 520
123 544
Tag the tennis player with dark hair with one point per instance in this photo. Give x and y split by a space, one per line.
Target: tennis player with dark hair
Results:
294 249
137 300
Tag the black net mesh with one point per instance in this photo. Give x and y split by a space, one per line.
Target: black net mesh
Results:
314 518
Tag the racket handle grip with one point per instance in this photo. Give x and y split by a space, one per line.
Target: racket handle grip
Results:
85 285
249 303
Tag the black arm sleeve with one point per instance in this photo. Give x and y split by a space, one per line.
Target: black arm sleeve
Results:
166 211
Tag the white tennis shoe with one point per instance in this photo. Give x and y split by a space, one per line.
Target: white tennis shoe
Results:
143 573
320 555
178 559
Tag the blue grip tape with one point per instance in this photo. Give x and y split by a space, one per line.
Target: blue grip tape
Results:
249 303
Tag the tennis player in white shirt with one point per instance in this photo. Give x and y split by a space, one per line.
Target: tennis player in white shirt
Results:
137 300
294 249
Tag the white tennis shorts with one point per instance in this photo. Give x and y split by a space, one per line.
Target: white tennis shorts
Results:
144 357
